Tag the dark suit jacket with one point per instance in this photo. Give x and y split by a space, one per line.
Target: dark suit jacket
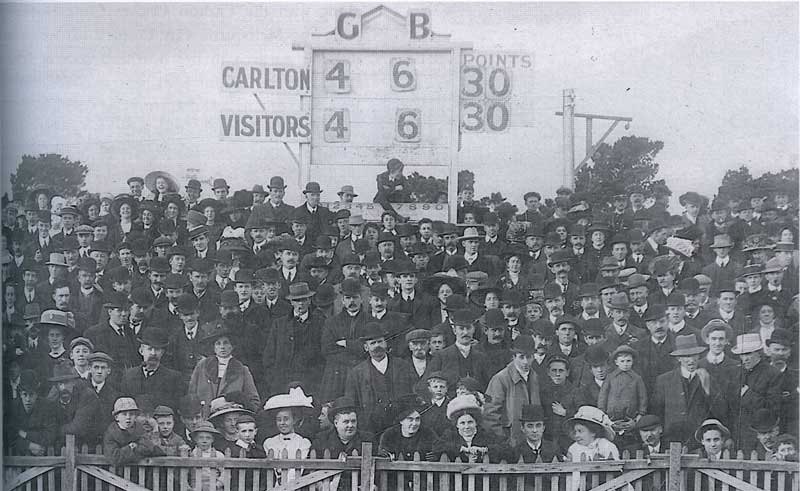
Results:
124 350
547 451
419 311
375 393
165 386
293 352
455 366
720 275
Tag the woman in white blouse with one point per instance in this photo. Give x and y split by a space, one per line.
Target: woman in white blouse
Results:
286 409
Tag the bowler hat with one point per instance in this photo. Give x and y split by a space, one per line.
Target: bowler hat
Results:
325 295
379 289
175 281
764 420
636 280
186 304
243 276
494 319
154 337
194 184
687 346
523 344
531 412
87 264
134 179
462 317
593 327
780 336
312 187
596 355
299 290
28 381
159 265
455 302
350 287
676 299
689 286
276 182
351 259
116 300
654 312
341 405
372 330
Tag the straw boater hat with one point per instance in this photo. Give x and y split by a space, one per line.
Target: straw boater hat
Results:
295 398
594 415
711 424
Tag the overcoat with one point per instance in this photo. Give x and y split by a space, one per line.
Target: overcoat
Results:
508 392
206 385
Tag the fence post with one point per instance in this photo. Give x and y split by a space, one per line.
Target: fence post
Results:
367 467
674 473
69 480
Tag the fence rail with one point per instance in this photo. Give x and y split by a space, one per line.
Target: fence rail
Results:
85 469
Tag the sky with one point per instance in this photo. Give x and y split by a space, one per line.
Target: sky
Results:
131 88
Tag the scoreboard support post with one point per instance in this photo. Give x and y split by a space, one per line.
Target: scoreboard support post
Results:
455 146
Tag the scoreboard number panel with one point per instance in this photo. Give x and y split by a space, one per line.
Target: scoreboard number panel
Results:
485 93
370 106
337 76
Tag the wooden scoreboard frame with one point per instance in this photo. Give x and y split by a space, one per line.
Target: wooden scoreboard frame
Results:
421 39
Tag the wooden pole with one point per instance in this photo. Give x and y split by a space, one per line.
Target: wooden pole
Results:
455 132
568 144
674 472
69 479
367 467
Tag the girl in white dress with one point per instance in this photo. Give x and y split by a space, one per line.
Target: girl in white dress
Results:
287 444
592 433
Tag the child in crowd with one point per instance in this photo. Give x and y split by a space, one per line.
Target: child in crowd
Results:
591 431
287 444
169 441
246 425
126 441
435 416
623 395
209 479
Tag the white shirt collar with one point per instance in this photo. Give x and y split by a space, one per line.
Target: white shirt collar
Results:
382 365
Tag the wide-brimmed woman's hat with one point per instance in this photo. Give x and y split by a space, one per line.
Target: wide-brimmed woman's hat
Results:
122 199
220 406
594 415
711 424
466 402
295 398
150 181
434 282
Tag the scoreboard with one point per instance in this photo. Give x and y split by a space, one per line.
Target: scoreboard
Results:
368 107
380 85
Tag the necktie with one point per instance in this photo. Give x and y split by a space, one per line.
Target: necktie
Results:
149 373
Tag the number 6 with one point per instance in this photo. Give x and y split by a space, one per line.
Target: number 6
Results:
408 125
403 75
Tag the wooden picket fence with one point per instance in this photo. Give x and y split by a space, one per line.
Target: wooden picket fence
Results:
85 469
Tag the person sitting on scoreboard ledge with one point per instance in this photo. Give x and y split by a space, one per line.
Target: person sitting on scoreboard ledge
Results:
392 186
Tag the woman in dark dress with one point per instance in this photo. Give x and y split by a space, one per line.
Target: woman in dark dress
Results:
467 439
407 436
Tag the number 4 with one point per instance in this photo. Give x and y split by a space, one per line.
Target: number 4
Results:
337 76
337 126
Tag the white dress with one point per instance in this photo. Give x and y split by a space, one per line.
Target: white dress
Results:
291 444
599 449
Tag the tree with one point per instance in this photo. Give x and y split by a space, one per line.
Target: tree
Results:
739 183
616 169
59 174
428 189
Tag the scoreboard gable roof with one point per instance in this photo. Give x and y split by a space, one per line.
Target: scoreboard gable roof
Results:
381 22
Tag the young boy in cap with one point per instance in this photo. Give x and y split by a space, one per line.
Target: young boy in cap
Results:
100 366
534 448
623 395
435 393
169 441
126 441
